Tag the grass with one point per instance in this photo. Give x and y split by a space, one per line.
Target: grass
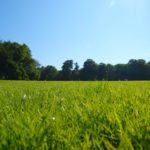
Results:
74 115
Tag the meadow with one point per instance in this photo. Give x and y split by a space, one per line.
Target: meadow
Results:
74 115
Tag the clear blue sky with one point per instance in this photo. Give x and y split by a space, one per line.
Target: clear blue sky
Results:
109 31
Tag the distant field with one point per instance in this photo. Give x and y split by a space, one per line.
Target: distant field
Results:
74 115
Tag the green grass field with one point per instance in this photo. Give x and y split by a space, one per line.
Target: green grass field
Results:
74 115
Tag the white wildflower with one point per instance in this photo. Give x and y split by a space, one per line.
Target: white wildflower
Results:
24 96
53 118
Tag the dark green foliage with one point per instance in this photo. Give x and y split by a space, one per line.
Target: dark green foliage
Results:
76 72
110 72
136 69
89 71
102 71
121 71
48 73
66 73
16 62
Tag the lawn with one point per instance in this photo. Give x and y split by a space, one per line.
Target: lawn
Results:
74 115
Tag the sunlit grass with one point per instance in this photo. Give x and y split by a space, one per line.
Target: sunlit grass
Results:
74 115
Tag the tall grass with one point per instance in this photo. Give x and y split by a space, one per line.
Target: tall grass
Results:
74 115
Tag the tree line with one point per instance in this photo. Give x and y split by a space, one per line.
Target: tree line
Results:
16 63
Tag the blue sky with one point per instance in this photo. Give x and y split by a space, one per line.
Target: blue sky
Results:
109 31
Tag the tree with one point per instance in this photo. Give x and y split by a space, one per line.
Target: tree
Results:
76 72
148 71
32 69
121 72
48 73
66 73
89 71
136 69
110 72
16 62
102 71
